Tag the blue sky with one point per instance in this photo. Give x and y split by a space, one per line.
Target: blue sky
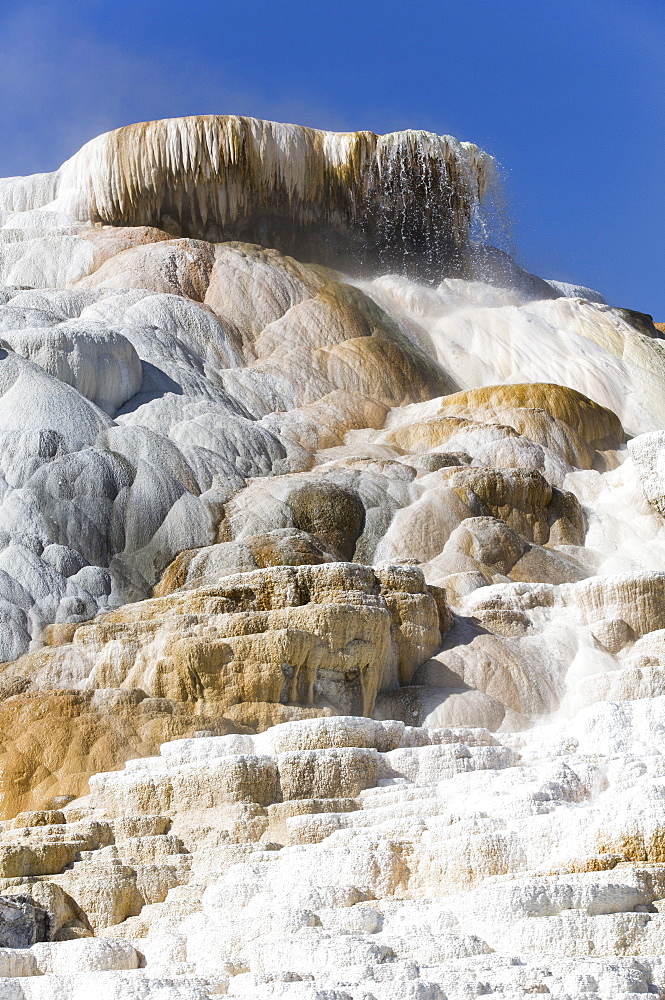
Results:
568 94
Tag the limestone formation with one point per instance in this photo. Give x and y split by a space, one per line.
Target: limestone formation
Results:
346 857
332 602
52 740
223 177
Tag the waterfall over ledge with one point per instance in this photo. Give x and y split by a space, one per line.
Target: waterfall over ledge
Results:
406 198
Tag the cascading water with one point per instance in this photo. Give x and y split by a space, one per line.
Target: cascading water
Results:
238 490
403 201
430 192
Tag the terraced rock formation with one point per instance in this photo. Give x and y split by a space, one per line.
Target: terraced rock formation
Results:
332 605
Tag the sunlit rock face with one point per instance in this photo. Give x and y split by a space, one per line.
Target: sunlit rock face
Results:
332 602
352 197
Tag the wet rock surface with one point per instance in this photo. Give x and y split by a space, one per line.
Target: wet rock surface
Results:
332 610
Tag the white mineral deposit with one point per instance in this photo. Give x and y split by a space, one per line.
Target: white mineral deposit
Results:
332 585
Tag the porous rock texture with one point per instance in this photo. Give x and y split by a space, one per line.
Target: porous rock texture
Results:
352 858
332 606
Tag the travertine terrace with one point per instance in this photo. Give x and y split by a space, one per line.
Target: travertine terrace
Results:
332 585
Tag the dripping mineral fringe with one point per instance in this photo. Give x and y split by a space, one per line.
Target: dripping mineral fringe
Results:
408 194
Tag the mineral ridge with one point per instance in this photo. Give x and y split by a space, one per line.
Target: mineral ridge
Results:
332 585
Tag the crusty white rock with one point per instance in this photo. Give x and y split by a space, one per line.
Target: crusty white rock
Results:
347 855
243 496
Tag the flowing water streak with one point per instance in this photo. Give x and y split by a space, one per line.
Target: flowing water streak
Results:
487 335
409 195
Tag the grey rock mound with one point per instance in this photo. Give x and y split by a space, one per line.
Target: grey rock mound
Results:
22 922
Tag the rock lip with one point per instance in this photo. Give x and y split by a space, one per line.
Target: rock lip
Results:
318 195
